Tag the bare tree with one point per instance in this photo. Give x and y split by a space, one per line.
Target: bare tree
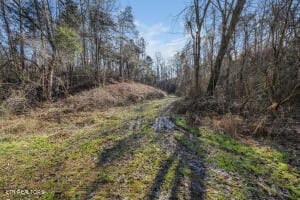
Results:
194 22
230 18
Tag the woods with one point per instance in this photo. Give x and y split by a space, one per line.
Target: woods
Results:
236 49
56 47
242 50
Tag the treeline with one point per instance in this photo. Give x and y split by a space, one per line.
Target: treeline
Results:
238 50
241 50
49 48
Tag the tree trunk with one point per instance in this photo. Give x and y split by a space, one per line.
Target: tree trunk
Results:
197 63
22 54
224 44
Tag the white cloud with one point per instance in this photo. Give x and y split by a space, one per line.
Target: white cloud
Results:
158 38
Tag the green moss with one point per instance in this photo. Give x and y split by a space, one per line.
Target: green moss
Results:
191 145
171 175
106 178
41 143
295 191
225 161
13 148
185 171
231 155
48 196
181 122
91 147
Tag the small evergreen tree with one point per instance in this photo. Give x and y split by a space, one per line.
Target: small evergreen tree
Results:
67 41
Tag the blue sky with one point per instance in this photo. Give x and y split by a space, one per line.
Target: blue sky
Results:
156 22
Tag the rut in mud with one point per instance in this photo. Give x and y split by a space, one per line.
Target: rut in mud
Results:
189 173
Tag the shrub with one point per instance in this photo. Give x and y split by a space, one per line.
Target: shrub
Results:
16 103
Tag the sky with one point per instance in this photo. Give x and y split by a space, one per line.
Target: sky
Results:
156 21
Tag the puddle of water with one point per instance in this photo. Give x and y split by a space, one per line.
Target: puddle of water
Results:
162 124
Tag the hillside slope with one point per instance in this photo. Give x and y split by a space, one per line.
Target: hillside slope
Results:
117 94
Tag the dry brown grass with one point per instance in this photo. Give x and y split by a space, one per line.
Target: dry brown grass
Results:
75 112
112 95
229 123
117 94
16 103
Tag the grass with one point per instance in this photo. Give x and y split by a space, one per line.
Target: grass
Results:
247 171
181 122
101 154
252 162
62 157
